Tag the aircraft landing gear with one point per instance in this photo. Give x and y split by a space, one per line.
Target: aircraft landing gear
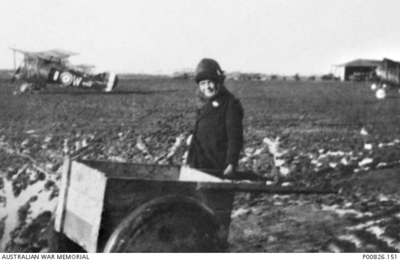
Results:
29 88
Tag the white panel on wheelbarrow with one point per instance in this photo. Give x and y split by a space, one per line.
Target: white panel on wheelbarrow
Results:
85 205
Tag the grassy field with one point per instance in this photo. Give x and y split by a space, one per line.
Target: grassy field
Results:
144 104
308 114
311 118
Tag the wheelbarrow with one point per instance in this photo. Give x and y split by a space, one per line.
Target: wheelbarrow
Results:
126 207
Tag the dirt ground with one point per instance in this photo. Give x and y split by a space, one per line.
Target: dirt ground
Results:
317 224
318 125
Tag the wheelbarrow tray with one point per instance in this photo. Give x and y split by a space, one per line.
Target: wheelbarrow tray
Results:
95 196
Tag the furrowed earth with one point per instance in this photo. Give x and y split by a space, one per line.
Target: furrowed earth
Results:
331 135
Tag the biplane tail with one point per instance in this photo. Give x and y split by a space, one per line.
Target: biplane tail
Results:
111 82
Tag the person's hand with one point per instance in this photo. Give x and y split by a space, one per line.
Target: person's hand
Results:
229 170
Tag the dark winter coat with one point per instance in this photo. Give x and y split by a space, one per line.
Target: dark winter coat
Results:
218 134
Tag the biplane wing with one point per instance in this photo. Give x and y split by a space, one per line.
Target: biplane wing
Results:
57 53
85 66
47 55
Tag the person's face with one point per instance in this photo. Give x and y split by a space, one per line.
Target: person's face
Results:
208 87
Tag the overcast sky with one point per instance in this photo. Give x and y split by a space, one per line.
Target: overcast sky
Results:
161 36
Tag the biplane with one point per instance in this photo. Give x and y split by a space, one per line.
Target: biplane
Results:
387 75
38 69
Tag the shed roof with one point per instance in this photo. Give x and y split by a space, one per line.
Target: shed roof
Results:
362 63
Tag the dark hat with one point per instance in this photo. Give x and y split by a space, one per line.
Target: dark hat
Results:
208 69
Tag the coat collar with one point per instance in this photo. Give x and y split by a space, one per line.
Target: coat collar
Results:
213 105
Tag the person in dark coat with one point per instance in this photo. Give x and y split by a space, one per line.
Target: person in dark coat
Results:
217 138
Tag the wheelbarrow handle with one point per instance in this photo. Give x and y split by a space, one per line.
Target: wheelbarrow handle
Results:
257 184
237 175
262 188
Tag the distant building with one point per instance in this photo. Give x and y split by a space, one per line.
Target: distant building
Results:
233 75
239 76
357 70
183 74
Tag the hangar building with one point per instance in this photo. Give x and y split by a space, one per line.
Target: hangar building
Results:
357 70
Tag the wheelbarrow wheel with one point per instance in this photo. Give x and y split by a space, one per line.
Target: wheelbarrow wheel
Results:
168 224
